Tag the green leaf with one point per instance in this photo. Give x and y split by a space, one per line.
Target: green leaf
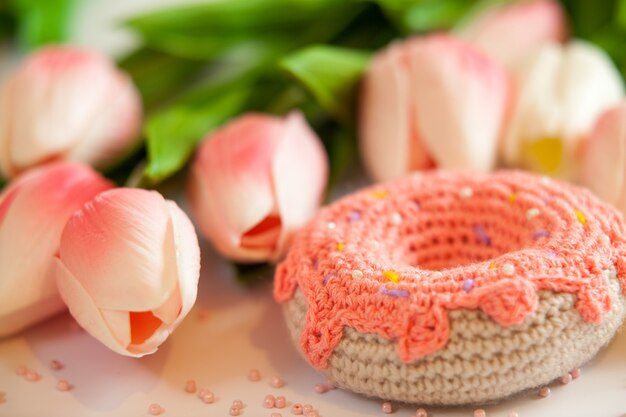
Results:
159 76
425 15
172 136
588 17
235 16
620 16
42 22
331 74
205 31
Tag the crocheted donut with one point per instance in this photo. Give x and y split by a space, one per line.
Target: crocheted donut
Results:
450 288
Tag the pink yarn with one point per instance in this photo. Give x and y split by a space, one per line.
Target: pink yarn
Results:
368 261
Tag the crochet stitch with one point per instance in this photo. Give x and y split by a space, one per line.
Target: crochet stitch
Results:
397 259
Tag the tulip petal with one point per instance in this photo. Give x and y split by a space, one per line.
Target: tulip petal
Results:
232 182
562 92
384 129
38 204
460 99
53 112
115 131
604 156
120 246
502 32
187 259
85 312
119 325
300 172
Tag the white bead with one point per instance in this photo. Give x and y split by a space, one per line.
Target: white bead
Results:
532 213
357 274
508 269
466 192
545 179
605 239
436 275
331 225
395 219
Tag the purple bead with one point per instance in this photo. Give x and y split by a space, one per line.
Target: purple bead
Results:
468 285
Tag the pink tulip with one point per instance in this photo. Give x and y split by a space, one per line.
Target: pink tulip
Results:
563 90
604 157
33 212
254 182
510 33
431 101
67 103
128 269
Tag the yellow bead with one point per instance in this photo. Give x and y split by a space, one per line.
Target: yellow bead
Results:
492 266
512 198
340 246
581 217
380 194
391 276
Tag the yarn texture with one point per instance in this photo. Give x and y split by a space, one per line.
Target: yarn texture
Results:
400 263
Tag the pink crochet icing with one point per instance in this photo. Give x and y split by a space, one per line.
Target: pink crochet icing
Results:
395 258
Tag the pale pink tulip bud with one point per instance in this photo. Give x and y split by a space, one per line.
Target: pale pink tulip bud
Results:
604 157
254 182
128 269
562 91
33 212
66 103
431 101
511 32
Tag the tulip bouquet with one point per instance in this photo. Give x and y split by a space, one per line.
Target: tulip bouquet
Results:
260 104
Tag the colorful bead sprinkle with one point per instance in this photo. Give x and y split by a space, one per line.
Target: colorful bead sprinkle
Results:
512 198
492 266
544 392
479 412
280 402
331 225
328 277
340 246
63 385
540 233
420 412
466 192
190 386
392 276
320 388
482 235
380 194
508 269
532 213
254 375
356 274
566 379
395 219
575 373
354 216
468 285
155 409
277 382
394 292
581 217
269 401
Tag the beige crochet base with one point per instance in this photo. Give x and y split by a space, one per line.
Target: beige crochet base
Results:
481 362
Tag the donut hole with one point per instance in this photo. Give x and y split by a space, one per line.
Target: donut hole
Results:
438 241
